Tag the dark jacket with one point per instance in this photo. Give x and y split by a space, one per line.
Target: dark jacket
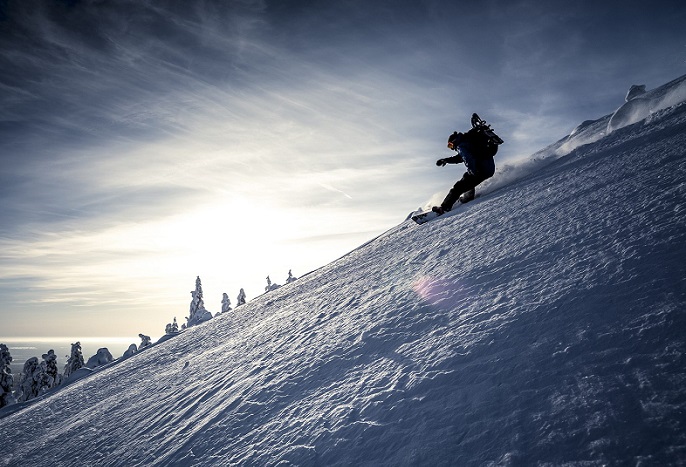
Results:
477 155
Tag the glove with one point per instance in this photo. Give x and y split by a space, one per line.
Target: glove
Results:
441 162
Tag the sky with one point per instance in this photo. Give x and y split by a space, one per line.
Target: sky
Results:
144 143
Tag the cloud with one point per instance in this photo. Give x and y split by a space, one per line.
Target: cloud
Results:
147 143
335 190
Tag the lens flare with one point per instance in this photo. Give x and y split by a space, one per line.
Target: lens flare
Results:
439 292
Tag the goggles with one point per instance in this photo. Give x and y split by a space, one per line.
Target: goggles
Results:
451 145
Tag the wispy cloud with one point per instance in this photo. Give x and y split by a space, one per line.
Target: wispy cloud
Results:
143 143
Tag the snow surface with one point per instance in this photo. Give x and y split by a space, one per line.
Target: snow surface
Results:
541 324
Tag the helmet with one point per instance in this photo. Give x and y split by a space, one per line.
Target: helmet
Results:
454 140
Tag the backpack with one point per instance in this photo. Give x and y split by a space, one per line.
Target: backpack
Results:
484 137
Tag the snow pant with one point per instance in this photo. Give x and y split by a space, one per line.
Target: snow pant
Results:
478 170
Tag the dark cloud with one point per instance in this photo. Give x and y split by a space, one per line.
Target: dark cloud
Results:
83 71
79 72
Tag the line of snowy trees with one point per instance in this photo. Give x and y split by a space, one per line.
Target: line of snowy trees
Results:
38 377
271 286
199 314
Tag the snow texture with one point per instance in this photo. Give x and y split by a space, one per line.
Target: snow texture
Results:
641 105
541 324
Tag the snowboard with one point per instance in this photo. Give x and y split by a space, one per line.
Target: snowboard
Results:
423 217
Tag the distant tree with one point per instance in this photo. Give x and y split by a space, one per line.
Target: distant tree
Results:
290 277
226 303
198 313
52 376
28 380
102 357
75 360
241 298
270 286
6 378
43 378
38 378
133 349
145 341
172 327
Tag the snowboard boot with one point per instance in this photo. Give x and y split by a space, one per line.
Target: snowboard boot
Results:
438 210
467 196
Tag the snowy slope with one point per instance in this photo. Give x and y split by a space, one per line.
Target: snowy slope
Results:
542 323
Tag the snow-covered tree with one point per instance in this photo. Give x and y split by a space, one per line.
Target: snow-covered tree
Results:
28 380
133 349
226 303
172 327
45 381
291 278
270 286
75 360
102 357
198 313
145 341
197 302
37 378
241 298
53 375
6 378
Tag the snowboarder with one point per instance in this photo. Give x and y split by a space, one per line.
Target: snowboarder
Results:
475 149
